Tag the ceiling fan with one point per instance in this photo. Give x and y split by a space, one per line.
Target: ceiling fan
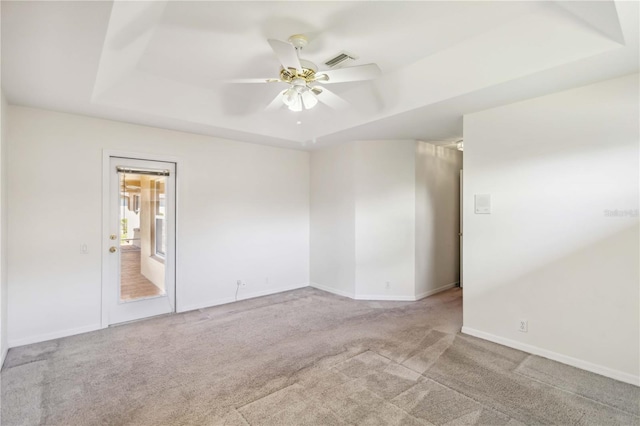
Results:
304 79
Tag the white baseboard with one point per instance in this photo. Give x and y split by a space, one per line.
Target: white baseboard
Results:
385 297
55 335
564 359
332 290
3 356
436 290
225 300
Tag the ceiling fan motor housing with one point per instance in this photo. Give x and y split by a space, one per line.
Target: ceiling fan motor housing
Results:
308 72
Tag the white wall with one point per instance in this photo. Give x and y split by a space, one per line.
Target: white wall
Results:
437 218
4 344
385 219
243 213
548 253
333 219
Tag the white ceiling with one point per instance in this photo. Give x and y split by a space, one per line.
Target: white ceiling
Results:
166 64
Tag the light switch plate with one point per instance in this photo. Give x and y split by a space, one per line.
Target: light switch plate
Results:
483 204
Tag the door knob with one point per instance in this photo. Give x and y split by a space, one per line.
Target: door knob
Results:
113 249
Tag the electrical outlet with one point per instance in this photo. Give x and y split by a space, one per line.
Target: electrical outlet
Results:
523 325
239 283
84 249
387 285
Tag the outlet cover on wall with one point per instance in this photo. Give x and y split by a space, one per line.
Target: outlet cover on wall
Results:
523 325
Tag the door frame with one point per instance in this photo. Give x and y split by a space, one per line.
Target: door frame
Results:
461 232
106 201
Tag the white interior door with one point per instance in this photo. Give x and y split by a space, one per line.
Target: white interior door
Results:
140 257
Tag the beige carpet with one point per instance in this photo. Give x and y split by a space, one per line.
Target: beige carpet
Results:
304 357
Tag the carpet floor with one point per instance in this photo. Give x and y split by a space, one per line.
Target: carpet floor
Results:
303 357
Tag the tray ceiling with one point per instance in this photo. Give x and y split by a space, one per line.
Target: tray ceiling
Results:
167 64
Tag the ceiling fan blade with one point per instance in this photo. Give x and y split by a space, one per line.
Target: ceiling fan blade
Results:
276 103
253 80
343 75
286 53
330 99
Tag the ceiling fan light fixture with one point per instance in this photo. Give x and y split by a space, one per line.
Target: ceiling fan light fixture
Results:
290 96
299 97
308 99
297 105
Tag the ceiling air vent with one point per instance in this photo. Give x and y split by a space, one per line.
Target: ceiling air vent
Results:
341 59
